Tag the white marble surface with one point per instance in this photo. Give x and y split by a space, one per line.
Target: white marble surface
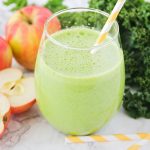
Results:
30 131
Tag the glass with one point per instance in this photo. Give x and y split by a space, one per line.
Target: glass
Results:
78 92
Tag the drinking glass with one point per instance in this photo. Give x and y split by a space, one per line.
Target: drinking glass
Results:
77 91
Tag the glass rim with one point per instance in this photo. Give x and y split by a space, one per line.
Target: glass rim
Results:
56 42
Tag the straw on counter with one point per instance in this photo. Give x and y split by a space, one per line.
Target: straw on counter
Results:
135 147
109 23
138 145
108 138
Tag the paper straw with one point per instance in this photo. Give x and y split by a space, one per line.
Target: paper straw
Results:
109 23
108 138
138 145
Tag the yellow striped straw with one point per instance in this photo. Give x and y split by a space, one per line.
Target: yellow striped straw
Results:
141 137
145 139
111 19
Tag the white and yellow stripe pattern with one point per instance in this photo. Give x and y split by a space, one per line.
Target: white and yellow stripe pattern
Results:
145 139
109 23
108 138
142 138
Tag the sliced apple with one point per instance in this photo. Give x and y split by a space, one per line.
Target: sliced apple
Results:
1 127
4 107
8 79
5 113
22 96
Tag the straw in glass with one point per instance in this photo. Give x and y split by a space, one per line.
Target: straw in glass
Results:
111 19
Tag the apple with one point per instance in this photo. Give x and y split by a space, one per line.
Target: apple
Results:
2 128
5 54
24 30
8 78
19 91
22 96
5 113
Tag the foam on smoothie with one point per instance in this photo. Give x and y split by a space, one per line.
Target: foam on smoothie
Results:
80 61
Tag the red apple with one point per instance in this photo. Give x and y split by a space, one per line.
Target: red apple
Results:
22 96
24 31
5 113
5 54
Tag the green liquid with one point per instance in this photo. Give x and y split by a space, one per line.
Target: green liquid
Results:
78 92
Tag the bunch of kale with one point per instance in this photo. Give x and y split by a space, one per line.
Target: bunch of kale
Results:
134 22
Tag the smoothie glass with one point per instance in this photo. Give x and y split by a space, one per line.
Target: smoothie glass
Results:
78 92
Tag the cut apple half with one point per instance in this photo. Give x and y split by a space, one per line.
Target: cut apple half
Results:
22 97
8 79
5 113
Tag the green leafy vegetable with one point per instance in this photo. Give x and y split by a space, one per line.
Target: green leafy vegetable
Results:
134 22
137 104
17 4
55 5
81 18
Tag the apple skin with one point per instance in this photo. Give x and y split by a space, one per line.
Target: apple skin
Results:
24 31
5 122
5 54
1 134
5 116
8 117
23 108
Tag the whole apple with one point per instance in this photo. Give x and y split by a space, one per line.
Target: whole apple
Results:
24 31
5 54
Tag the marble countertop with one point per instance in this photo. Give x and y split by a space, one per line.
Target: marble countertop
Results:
30 131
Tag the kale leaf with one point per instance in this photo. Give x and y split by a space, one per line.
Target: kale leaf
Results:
55 5
18 4
134 22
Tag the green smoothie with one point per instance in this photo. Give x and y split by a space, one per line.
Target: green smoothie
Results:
78 92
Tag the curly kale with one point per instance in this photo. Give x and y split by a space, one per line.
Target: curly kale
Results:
137 104
18 4
134 22
55 5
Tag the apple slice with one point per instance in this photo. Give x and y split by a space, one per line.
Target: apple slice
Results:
22 96
1 127
5 113
8 79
